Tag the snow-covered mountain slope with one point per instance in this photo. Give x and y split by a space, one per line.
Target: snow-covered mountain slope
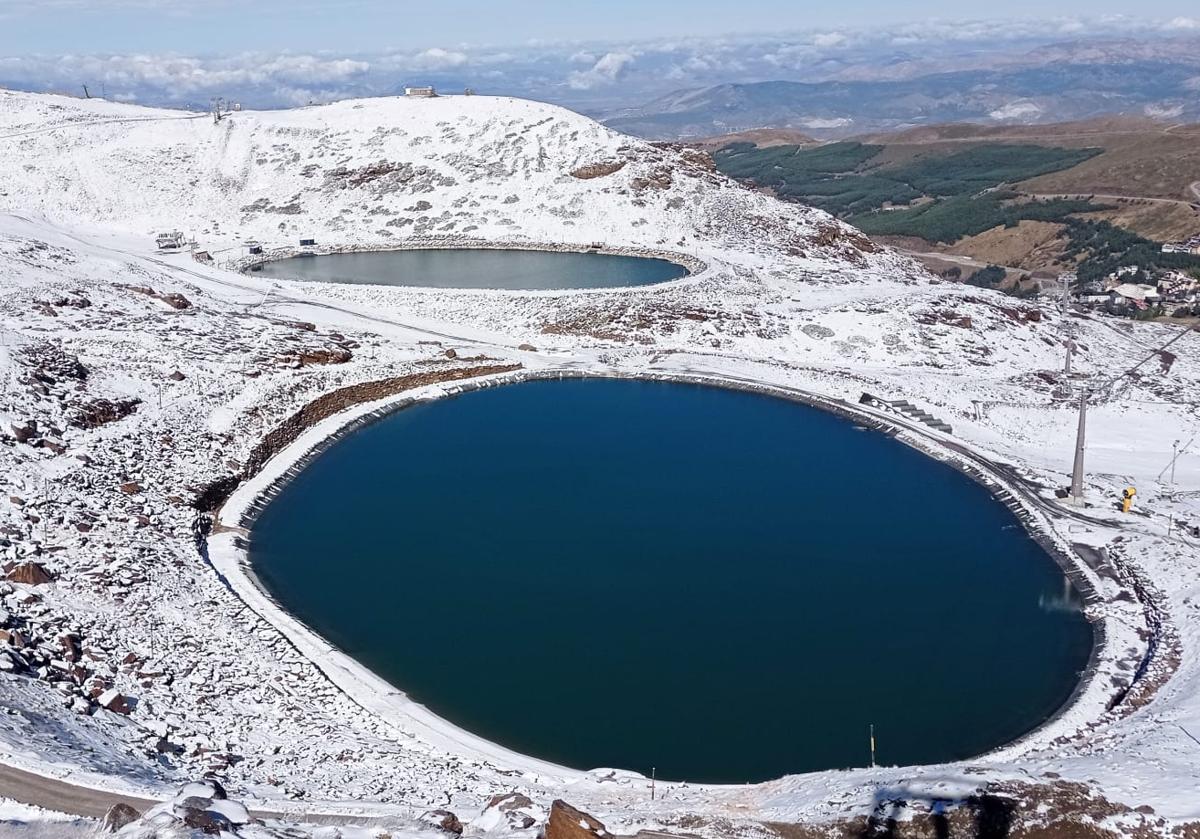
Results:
141 387
380 170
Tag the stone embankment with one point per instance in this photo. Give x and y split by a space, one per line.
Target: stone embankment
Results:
214 494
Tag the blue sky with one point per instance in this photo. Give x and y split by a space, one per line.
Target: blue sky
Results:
220 26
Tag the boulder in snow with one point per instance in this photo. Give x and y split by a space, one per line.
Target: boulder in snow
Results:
115 701
118 816
567 822
30 573
444 820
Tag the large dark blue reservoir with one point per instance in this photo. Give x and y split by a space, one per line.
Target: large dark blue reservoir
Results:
725 586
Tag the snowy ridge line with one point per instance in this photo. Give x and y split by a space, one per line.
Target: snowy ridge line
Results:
231 557
695 266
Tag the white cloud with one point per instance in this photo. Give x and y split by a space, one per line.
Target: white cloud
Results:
581 73
828 39
1183 23
607 70
437 58
174 77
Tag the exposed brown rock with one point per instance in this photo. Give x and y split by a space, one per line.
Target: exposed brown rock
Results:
208 822
118 816
567 822
506 801
56 446
115 702
173 299
512 804
444 820
598 170
70 645
25 432
100 412
30 573
336 355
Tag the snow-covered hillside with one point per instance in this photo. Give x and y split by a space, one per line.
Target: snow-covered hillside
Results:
376 171
146 391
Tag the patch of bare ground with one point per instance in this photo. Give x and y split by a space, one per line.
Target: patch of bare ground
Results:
761 137
1030 245
1154 163
1142 157
949 132
1055 809
635 323
1153 219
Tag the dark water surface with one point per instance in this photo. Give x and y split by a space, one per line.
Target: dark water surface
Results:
466 268
725 586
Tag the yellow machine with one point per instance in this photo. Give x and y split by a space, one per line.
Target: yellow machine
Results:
1127 499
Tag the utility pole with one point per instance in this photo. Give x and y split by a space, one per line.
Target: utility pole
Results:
1174 458
1067 366
1077 470
1076 496
653 774
872 745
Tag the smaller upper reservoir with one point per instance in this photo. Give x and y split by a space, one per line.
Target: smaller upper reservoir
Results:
516 270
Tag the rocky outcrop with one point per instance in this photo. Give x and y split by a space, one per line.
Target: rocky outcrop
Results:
24 432
199 808
100 412
324 355
444 820
513 808
567 822
173 298
50 364
599 170
113 700
29 573
117 817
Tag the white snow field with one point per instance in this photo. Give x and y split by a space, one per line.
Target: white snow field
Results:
139 386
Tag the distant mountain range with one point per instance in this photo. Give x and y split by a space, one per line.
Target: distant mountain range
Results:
1070 85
